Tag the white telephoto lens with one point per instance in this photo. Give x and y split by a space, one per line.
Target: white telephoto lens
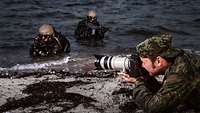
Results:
120 63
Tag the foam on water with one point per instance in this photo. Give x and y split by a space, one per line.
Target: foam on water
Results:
65 60
35 66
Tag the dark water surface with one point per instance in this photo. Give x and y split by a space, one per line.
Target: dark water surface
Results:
131 21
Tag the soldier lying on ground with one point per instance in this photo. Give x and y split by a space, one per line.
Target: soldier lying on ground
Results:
49 42
180 88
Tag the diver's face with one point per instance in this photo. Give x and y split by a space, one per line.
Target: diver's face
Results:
92 19
46 38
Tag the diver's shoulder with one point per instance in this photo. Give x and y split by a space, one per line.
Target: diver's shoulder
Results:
82 22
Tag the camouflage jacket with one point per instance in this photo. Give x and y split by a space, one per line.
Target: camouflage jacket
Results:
59 44
181 86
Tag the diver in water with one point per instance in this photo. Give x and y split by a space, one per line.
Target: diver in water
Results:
89 28
49 42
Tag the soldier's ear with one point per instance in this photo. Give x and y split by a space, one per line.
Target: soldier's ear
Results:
159 60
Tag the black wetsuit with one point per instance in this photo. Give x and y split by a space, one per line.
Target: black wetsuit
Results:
58 44
87 30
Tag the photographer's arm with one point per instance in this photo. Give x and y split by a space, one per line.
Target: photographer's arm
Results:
128 78
173 92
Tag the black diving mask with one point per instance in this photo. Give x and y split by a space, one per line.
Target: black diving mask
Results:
91 19
46 37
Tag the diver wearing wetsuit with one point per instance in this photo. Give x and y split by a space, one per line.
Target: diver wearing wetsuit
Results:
49 42
89 28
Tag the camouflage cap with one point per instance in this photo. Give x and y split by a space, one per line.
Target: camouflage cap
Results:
157 46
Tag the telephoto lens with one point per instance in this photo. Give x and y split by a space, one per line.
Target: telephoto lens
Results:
131 64
117 63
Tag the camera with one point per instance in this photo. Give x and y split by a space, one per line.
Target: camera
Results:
131 64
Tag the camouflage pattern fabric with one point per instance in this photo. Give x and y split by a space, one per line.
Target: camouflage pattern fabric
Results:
157 45
181 86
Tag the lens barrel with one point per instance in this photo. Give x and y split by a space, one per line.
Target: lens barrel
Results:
117 63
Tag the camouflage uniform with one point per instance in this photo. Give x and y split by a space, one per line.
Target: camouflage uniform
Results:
59 44
181 84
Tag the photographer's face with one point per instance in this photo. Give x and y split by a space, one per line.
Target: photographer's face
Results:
156 67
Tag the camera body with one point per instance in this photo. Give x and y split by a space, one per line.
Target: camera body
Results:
131 64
